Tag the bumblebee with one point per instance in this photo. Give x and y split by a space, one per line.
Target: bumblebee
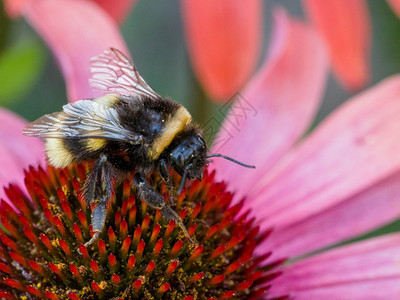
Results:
130 128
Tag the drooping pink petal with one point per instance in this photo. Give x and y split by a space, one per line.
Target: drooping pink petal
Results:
364 270
353 149
372 208
395 4
276 107
118 10
16 151
75 31
14 7
345 26
223 40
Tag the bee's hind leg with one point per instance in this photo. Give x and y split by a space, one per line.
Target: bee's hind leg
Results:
97 192
99 215
155 200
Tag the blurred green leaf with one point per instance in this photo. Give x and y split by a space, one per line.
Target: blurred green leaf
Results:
20 67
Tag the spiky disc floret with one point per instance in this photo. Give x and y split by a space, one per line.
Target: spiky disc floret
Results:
139 255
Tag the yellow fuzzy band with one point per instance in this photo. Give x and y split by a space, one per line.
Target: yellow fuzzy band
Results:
57 154
172 127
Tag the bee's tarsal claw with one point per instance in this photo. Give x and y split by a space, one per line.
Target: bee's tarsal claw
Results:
93 239
170 214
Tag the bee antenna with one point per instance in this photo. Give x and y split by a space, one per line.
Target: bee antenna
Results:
231 159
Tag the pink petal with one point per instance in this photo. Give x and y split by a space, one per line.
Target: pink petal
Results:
374 207
395 4
224 39
355 148
365 270
16 151
14 7
345 26
75 31
275 108
10 171
118 10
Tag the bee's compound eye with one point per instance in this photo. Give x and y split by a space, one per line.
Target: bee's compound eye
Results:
178 158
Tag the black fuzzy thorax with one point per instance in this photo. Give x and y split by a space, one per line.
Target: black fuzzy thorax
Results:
146 117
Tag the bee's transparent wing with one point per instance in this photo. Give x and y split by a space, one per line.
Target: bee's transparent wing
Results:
82 119
113 72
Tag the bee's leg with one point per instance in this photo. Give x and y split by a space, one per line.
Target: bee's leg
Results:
164 171
98 192
99 215
155 200
170 214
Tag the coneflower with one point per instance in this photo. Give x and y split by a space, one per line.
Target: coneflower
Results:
310 191
139 255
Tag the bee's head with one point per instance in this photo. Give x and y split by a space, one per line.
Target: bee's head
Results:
188 156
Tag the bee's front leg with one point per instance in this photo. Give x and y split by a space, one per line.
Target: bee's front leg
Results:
98 192
164 171
155 200
147 193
